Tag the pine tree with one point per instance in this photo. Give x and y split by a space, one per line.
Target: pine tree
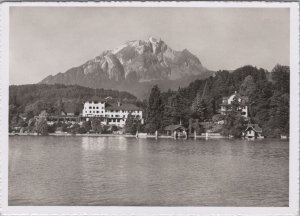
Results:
199 108
281 77
96 125
130 126
155 111
248 86
41 126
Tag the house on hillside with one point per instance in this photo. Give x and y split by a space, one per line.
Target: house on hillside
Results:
253 131
226 105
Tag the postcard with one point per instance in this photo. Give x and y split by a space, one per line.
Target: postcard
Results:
149 108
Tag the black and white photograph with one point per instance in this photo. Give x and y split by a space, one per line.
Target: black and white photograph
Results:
151 106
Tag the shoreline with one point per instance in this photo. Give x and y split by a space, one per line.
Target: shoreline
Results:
210 136
116 135
143 136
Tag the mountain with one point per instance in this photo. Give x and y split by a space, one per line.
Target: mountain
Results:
135 67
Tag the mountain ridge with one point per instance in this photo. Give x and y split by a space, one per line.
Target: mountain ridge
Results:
134 63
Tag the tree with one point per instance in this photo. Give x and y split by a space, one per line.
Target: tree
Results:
281 77
81 130
279 114
199 108
96 125
41 126
86 125
234 122
234 125
248 86
52 128
129 124
155 111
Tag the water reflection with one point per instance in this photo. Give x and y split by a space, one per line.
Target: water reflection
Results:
92 144
163 172
101 143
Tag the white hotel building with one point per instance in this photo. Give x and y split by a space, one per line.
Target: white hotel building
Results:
112 114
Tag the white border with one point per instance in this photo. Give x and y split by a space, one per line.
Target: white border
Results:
293 208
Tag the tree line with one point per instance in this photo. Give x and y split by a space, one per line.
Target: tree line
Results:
195 106
268 104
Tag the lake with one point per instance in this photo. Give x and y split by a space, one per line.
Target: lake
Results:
89 171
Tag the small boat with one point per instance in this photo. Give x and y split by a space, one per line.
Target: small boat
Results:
283 137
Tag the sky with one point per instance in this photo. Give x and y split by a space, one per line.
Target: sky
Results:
49 40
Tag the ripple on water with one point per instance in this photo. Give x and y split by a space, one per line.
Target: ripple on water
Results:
163 172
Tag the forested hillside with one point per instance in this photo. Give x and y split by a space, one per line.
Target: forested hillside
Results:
268 104
32 99
267 92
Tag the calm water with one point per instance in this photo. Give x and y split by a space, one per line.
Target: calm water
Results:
128 171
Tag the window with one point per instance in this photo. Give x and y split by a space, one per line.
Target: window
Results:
97 111
118 120
90 107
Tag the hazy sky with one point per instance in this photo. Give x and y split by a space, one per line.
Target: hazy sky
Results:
48 40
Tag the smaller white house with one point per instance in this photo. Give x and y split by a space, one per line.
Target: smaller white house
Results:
226 105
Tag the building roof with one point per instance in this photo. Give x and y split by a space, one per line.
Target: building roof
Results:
254 127
96 99
129 107
244 99
173 127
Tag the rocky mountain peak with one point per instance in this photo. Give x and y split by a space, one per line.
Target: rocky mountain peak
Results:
136 61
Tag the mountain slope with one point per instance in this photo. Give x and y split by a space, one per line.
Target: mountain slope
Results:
133 65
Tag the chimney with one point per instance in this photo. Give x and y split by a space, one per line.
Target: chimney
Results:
119 103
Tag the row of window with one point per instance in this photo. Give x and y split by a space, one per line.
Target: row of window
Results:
121 111
116 116
229 107
113 120
93 112
95 102
94 107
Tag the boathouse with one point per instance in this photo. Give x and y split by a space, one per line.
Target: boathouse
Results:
253 131
169 130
